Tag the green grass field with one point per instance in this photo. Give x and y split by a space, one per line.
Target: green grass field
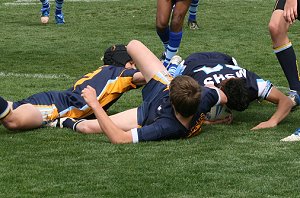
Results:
223 161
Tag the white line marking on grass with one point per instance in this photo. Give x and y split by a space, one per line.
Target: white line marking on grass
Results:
34 2
42 76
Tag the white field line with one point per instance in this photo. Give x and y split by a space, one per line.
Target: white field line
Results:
41 76
34 2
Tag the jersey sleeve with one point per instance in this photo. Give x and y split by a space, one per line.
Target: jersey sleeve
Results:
159 130
258 87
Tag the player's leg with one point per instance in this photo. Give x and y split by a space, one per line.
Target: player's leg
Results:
24 117
145 60
284 50
45 11
59 16
192 20
175 36
125 120
163 14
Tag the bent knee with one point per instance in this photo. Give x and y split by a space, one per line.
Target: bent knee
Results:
87 128
12 125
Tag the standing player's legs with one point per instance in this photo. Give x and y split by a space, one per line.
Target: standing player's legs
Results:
59 16
163 14
175 36
192 20
284 51
45 11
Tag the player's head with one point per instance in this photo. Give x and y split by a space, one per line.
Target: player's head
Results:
185 93
117 55
237 94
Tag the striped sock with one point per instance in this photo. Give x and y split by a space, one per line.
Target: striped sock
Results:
45 3
59 4
193 10
175 40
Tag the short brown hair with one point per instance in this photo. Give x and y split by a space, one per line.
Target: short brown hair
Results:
185 93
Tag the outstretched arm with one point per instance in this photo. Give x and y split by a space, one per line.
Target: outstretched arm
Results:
114 133
284 106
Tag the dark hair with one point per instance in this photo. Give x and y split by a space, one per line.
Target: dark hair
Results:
185 93
116 55
237 94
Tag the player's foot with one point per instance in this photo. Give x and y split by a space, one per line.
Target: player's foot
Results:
175 60
173 65
45 15
292 138
193 25
294 96
58 122
60 18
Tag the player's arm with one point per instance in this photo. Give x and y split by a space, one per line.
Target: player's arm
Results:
138 79
290 13
222 97
114 133
284 106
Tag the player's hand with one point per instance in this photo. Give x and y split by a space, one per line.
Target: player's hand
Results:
290 13
226 120
264 125
89 95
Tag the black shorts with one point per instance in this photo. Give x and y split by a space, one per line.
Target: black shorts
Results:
279 5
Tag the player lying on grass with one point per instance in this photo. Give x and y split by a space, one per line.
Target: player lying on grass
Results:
239 85
110 82
171 108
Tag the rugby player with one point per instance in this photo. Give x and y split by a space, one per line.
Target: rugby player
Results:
240 85
171 108
47 108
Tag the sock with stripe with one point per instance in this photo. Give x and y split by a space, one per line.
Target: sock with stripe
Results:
174 42
288 61
58 8
193 10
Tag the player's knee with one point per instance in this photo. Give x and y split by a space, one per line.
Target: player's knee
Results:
83 127
176 24
11 124
274 29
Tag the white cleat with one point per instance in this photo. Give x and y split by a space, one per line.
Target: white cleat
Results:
292 138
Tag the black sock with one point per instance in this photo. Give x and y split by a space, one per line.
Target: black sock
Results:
287 59
71 123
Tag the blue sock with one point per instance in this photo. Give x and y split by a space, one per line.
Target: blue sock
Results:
193 10
164 36
4 108
45 3
59 4
174 42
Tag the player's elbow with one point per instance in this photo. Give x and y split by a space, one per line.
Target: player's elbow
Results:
122 138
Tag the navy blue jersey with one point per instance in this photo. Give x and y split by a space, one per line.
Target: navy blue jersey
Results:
213 67
110 83
156 115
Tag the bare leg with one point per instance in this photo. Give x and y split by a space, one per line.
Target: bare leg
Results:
145 60
125 120
24 117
